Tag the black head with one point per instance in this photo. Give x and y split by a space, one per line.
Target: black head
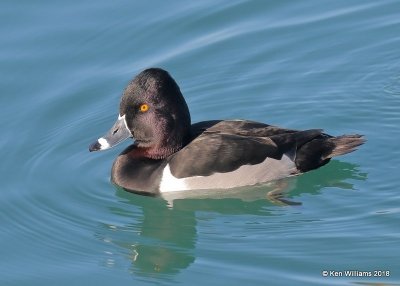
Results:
154 112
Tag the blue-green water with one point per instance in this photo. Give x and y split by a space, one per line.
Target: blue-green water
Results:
298 64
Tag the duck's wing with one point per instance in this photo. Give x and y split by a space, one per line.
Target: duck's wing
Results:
217 152
238 127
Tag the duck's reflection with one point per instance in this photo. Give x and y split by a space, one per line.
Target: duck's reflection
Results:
172 237
160 234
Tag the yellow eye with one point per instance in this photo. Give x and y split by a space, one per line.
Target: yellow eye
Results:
144 107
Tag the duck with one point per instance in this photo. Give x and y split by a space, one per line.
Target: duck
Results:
171 154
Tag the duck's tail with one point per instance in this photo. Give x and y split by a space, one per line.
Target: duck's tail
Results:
344 144
321 149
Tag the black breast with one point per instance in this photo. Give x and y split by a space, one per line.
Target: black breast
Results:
138 175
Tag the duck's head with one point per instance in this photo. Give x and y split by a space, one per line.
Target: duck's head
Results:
154 113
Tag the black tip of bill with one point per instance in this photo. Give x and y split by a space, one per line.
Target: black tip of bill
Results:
95 146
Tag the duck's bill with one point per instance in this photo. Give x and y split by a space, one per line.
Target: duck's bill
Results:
118 133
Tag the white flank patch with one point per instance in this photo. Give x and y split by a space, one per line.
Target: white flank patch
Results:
169 183
246 175
103 143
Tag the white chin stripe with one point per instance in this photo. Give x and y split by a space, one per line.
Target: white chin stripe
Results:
103 143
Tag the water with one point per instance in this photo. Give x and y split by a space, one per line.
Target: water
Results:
303 64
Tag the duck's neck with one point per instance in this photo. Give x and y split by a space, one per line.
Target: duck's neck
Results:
157 153
163 149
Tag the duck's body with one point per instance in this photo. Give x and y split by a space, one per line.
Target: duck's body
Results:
170 155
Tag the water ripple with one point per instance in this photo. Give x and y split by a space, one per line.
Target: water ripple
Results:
299 65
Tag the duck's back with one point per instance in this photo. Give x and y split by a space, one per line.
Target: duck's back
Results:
226 154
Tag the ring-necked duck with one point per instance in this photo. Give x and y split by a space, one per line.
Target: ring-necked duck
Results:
171 154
